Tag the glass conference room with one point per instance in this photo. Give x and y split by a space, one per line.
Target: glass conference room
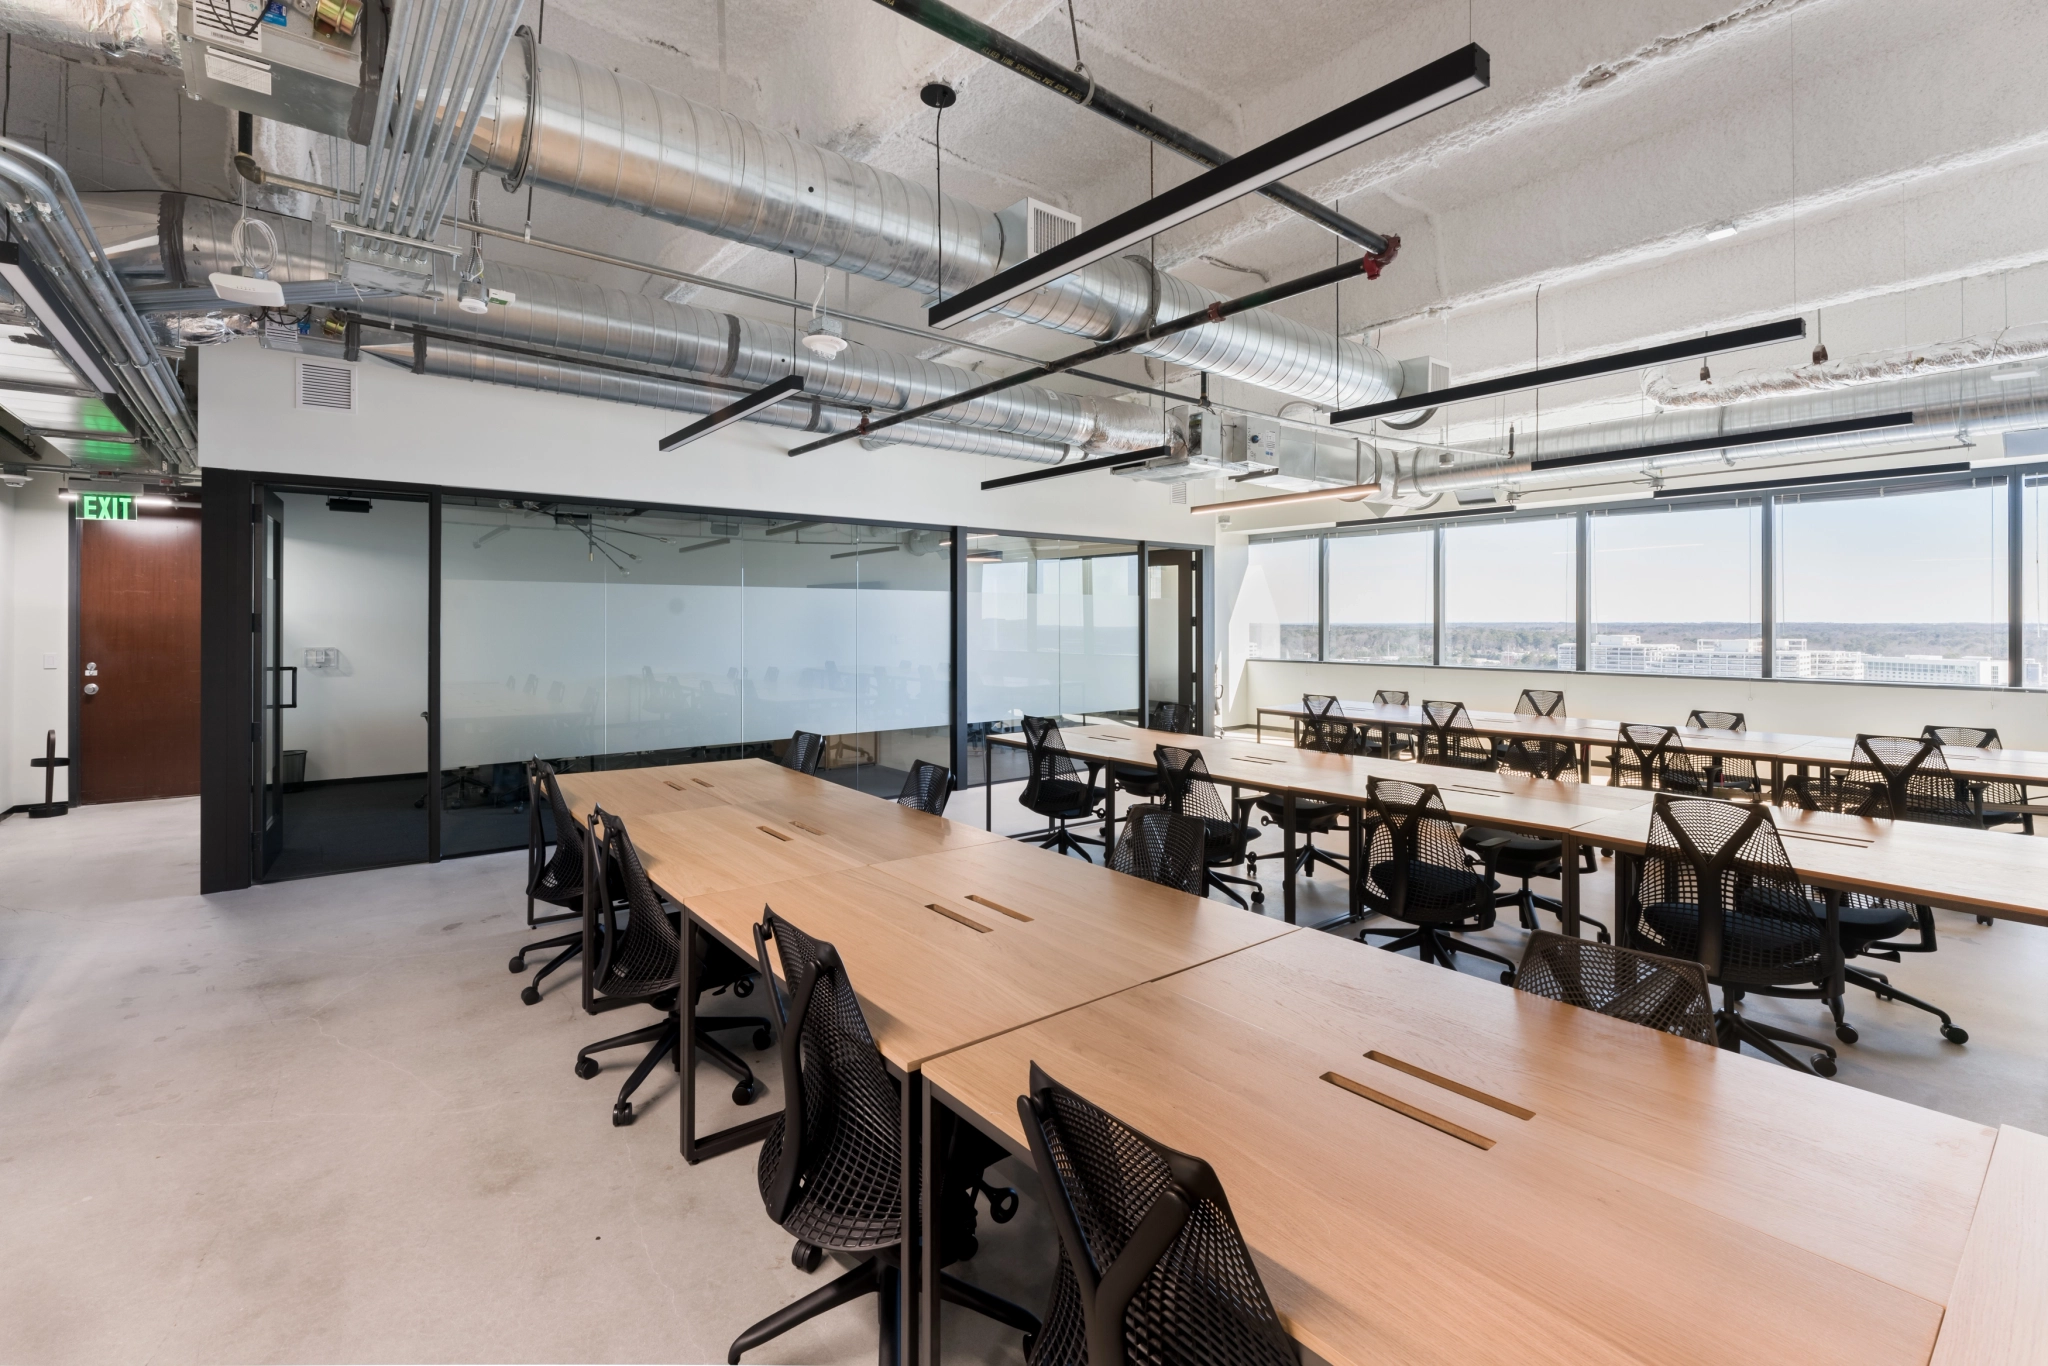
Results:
612 636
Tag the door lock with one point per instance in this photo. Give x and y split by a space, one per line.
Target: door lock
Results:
92 690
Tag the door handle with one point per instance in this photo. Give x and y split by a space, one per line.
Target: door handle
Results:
92 690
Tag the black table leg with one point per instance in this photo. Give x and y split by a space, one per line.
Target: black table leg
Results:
920 1243
1108 813
1569 919
696 1149
1287 854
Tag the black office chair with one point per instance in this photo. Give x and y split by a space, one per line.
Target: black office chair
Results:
1447 738
1057 787
1152 1266
1730 773
1400 741
1146 783
1190 791
927 788
1416 872
1540 702
1715 887
804 752
1894 777
1327 730
554 879
1525 857
1653 756
1177 717
830 1173
1997 801
1627 984
1391 697
1165 848
638 961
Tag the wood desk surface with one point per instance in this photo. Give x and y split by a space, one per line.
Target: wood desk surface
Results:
1997 1310
1995 872
1667 1202
931 981
1578 729
637 792
2012 765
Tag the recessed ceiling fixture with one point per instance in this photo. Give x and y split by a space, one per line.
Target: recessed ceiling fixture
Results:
725 417
16 272
1351 494
1723 440
1427 88
1740 339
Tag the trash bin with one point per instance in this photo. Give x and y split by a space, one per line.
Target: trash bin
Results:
294 774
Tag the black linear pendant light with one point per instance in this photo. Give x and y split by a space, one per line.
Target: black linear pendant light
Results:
725 417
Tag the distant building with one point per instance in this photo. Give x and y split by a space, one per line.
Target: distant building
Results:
1628 654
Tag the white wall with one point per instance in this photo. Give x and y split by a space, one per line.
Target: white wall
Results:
432 430
1801 707
35 629
357 582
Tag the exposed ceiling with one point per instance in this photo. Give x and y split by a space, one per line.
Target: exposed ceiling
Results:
1885 174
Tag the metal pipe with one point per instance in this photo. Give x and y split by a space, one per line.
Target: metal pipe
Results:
459 361
1006 51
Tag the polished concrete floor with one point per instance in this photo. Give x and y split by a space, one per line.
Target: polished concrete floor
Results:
312 1122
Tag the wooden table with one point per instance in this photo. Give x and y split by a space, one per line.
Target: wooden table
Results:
1983 872
1517 801
1997 1311
1667 1202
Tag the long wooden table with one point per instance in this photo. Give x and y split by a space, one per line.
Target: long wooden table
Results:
1540 806
1665 1203
950 934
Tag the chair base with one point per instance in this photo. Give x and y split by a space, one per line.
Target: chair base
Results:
1881 986
666 1038
1528 901
877 1276
1734 1029
1305 860
1213 880
1436 945
569 945
1060 840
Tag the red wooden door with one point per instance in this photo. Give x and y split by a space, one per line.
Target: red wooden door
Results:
138 646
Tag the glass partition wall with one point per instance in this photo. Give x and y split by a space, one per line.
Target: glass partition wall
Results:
1052 630
613 637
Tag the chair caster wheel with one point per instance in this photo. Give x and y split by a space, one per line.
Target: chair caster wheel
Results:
806 1257
1507 979
1002 1205
1846 1033
762 1039
743 987
1983 920
622 1116
1603 938
1259 897
743 1093
1884 995
530 995
517 965
586 1068
1824 1064
1029 1338
1955 1035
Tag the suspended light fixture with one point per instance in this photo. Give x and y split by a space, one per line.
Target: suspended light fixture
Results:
1352 493
725 417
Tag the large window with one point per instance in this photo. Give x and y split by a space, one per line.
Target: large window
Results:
1511 593
1281 600
1382 597
1052 630
1902 586
2033 582
1676 590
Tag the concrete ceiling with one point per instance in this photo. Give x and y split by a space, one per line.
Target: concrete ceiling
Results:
1881 166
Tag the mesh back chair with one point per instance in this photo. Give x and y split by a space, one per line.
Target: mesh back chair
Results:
1524 857
1416 872
1627 984
1653 756
1729 772
1190 791
638 961
1057 787
1391 697
1715 887
1540 702
553 879
805 752
2001 803
830 1173
1397 742
1165 848
1152 1267
1177 717
1447 738
1328 730
927 788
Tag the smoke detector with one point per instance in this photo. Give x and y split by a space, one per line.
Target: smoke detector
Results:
469 297
13 480
826 336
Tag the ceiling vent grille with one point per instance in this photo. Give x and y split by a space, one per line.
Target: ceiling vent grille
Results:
1047 226
326 386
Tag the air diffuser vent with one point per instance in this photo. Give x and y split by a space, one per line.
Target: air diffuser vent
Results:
326 386
1048 227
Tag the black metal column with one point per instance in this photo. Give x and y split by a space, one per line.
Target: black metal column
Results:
434 677
2015 580
230 518
957 686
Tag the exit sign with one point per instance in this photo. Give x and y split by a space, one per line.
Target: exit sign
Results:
106 507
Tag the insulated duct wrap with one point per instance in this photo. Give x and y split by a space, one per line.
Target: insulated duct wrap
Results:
142 28
587 131
564 314
2015 344
459 361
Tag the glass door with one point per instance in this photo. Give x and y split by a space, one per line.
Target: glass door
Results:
1173 628
272 698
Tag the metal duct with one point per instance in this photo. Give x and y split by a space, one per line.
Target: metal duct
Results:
2016 344
142 28
565 314
458 361
585 130
1945 406
50 222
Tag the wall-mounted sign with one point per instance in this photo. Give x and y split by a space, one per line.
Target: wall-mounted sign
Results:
106 507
